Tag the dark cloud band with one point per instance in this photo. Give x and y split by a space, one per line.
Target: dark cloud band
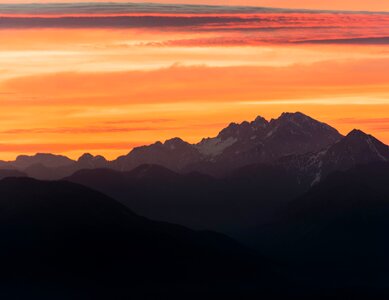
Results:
231 25
128 8
136 8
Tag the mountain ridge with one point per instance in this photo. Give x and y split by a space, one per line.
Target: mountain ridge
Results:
356 148
237 145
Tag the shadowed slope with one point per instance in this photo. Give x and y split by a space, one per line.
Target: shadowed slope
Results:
337 231
65 235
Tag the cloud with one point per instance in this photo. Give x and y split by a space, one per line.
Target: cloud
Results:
129 8
376 125
363 120
105 129
350 41
72 130
186 84
117 21
256 25
153 121
62 147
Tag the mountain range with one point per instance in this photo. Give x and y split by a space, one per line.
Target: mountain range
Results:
248 173
293 141
306 209
248 195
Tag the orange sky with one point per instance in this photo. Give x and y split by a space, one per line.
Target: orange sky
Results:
106 90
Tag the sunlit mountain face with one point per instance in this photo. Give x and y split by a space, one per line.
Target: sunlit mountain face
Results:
106 77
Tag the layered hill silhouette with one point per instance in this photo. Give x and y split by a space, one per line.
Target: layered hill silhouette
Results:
244 197
58 237
248 197
235 181
291 189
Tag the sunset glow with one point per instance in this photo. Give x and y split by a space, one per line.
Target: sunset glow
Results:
105 82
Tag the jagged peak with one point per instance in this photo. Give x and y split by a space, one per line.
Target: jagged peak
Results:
143 147
175 140
176 143
100 157
294 116
171 143
85 156
259 120
357 133
89 156
296 113
304 121
234 128
365 144
231 125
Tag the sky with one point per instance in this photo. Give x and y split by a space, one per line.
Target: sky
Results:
371 5
105 78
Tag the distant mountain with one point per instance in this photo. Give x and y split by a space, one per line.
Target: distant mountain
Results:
42 165
261 141
46 166
46 159
174 154
300 145
237 145
59 236
354 149
89 161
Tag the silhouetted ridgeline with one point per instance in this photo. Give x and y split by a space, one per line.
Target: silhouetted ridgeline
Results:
292 139
310 206
60 237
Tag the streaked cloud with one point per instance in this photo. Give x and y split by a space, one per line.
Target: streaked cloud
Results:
179 84
114 8
257 25
354 5
61 147
374 124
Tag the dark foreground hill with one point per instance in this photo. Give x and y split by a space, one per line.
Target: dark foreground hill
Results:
58 238
61 239
337 232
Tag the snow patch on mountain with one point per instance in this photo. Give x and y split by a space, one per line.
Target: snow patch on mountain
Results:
215 146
